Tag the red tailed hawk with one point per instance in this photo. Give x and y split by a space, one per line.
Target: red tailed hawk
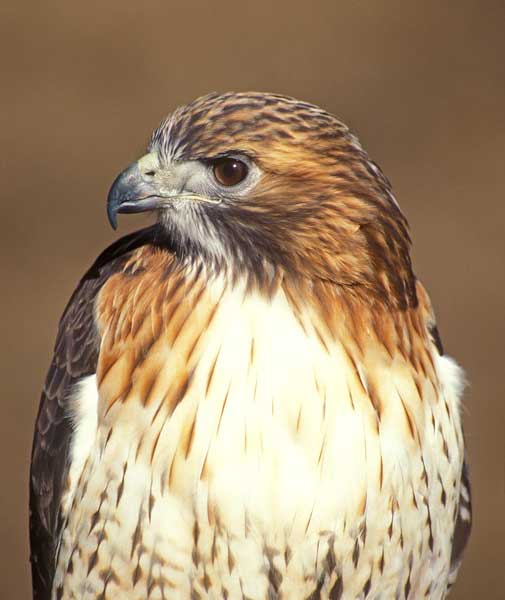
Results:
249 399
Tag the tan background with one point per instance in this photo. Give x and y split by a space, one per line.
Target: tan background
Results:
423 84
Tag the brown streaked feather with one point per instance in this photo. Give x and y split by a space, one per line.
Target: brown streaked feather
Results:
463 525
75 356
337 351
323 209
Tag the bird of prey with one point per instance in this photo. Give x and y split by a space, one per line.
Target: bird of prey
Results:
249 399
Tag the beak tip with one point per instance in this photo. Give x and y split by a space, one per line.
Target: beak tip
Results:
112 216
129 193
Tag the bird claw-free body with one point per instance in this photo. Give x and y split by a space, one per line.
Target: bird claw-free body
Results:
249 399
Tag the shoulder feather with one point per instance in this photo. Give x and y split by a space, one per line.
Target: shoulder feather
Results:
75 356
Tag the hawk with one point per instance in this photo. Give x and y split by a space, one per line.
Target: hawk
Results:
249 399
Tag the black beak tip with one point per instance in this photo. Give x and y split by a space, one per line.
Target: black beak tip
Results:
114 199
112 216
130 194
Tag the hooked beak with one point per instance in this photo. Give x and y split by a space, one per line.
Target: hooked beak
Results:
132 192
137 189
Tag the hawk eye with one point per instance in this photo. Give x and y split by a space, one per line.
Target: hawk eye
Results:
229 171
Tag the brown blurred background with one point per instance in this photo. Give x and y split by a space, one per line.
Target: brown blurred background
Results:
422 83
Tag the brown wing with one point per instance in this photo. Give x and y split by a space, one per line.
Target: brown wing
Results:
75 356
463 525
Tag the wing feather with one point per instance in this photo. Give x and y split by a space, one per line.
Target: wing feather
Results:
463 525
75 356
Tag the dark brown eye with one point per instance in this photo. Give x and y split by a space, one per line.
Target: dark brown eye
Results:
229 171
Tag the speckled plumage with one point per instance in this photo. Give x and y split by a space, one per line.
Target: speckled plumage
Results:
250 399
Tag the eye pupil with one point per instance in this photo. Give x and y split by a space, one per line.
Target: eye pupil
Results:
229 171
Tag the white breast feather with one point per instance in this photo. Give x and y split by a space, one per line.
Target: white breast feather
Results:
287 458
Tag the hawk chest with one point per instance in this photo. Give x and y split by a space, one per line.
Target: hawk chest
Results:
237 453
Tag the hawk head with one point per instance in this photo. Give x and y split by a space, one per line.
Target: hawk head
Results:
259 182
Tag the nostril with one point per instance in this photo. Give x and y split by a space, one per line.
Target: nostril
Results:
151 173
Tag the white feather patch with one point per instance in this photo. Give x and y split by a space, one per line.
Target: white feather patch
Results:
84 416
452 378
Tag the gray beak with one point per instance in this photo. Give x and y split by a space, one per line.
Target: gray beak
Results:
132 192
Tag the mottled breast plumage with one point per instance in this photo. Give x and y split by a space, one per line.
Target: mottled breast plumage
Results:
250 396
